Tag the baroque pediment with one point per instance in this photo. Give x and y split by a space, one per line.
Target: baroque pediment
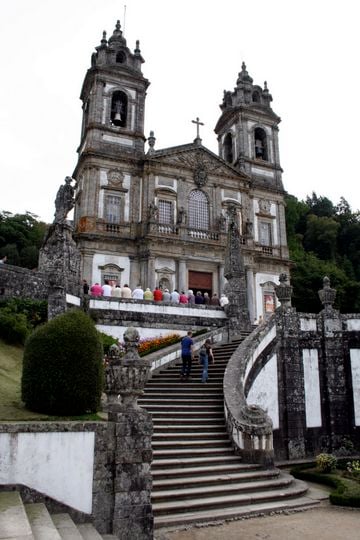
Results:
165 270
199 159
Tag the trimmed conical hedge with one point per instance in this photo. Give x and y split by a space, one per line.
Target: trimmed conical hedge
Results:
63 366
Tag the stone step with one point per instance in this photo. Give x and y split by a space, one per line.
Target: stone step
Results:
187 413
188 391
189 435
213 477
190 422
201 396
88 532
222 450
222 489
14 523
66 527
234 512
224 467
41 523
186 407
296 489
184 461
179 444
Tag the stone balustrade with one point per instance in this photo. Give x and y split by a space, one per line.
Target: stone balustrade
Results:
249 427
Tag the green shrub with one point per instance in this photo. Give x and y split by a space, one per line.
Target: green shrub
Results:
346 491
107 341
19 316
325 463
62 367
14 327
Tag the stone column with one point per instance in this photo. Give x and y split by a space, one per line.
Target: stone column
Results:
221 280
56 295
335 399
151 274
291 385
182 278
134 272
251 293
126 376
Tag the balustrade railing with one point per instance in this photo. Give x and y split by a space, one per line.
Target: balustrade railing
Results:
249 427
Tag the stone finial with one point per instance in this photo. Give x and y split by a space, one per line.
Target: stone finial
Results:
137 47
284 291
327 295
151 142
126 375
104 40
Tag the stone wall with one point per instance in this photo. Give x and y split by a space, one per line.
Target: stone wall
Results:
306 377
23 283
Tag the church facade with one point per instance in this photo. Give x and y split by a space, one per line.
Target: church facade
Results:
159 217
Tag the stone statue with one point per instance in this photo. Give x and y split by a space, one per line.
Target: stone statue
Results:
222 223
153 211
64 201
181 217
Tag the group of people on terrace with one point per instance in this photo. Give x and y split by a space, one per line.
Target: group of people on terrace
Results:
157 295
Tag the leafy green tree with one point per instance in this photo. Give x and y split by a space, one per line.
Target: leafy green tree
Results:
321 236
320 206
21 236
323 240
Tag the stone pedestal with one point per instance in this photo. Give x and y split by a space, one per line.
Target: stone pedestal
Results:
133 518
126 377
235 289
291 385
60 259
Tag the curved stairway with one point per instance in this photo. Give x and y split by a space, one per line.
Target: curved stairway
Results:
196 475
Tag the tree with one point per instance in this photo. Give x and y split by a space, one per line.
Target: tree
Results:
21 236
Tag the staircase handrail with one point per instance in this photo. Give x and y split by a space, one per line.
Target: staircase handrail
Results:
249 426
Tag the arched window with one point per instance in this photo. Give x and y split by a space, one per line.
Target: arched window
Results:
256 97
119 106
228 149
198 210
261 150
120 57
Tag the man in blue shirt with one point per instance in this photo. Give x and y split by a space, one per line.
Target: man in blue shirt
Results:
187 355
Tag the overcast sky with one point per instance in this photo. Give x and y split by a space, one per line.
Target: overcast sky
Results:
306 50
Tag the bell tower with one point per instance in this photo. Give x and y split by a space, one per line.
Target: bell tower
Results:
247 132
111 149
113 96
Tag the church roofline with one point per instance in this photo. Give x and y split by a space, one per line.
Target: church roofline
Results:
195 146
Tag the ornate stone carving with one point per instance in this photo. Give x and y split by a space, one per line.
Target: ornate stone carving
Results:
284 291
234 271
64 201
115 178
264 206
125 376
327 295
200 176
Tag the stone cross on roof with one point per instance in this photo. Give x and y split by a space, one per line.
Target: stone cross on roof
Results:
198 123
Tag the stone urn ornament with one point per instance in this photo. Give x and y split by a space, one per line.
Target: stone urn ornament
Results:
125 376
284 291
327 295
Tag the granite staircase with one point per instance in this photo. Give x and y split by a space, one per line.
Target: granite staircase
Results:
20 521
197 477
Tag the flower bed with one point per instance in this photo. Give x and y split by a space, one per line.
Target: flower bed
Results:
344 479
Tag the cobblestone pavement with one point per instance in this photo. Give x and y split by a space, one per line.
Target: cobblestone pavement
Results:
325 522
